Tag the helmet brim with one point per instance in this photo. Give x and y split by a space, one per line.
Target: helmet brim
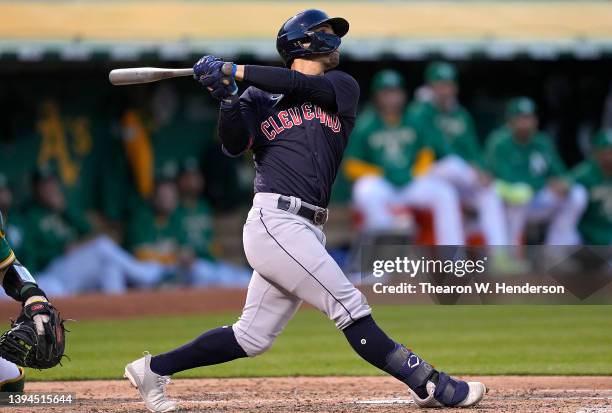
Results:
340 25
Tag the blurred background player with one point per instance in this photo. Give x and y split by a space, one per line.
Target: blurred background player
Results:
595 174
530 176
175 231
57 247
438 113
382 157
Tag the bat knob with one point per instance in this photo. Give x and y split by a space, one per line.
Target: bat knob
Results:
227 68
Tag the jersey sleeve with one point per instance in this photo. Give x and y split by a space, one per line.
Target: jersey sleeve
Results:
236 125
495 155
7 256
579 174
358 147
346 90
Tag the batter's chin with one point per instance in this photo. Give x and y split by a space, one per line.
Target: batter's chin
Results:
333 59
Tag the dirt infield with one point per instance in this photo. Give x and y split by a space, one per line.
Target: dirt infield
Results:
334 394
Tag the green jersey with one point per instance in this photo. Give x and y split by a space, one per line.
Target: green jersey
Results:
49 234
196 222
455 127
533 162
393 149
155 239
596 223
6 253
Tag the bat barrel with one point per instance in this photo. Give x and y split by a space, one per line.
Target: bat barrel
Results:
139 75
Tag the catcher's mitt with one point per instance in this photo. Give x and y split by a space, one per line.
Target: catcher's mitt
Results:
25 347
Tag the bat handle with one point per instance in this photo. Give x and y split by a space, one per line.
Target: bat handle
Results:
227 69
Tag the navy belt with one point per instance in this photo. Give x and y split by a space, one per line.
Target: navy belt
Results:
313 213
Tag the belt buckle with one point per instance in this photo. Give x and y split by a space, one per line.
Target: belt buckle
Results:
320 216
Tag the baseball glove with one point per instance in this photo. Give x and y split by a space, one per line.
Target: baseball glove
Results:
33 343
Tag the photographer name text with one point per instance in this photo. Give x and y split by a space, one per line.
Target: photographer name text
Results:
475 288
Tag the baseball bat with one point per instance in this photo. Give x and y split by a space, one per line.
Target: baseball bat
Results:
137 75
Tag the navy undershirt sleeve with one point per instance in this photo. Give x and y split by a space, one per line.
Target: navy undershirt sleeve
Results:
316 89
233 126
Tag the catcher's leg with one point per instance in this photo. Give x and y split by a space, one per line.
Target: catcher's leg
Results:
11 376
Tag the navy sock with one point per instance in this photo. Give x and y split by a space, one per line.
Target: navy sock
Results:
375 347
369 341
213 347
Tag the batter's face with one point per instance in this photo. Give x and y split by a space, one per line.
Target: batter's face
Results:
329 60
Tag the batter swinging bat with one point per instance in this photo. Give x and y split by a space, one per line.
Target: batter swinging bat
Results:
137 75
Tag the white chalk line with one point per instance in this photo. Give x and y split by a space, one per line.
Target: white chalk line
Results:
573 390
385 401
404 401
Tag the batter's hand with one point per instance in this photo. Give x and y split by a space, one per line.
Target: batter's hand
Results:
217 76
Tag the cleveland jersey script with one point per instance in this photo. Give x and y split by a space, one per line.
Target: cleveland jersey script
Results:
298 145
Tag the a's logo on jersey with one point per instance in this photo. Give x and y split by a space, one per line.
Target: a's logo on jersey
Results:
538 163
288 118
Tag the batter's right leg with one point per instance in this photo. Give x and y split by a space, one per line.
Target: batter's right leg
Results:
266 312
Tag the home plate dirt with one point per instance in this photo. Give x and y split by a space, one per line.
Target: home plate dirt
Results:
332 394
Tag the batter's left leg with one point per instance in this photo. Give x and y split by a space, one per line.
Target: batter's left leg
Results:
291 253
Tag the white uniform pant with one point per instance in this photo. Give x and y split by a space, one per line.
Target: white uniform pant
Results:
291 265
484 199
97 265
562 215
375 197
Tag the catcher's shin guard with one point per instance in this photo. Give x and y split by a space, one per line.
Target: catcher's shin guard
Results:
429 387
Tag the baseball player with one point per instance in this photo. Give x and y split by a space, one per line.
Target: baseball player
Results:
531 178
296 121
595 174
36 338
441 116
383 157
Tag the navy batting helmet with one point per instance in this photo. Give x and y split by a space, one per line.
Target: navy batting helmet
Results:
298 31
